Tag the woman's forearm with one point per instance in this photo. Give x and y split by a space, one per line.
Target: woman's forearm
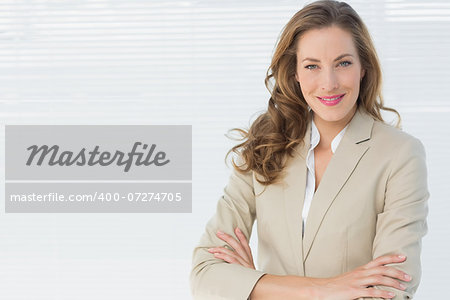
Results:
288 287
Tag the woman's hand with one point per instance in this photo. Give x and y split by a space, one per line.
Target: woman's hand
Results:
241 253
355 284
359 282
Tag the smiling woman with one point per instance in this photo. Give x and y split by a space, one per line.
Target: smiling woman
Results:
331 77
340 196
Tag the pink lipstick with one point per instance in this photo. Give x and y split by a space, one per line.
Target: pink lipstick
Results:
331 100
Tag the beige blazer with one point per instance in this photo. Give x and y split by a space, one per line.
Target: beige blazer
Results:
371 201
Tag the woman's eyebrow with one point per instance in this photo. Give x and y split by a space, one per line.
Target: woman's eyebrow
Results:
337 58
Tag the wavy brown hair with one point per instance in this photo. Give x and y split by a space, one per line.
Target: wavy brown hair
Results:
277 131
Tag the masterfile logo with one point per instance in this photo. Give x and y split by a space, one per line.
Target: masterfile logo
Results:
53 156
98 168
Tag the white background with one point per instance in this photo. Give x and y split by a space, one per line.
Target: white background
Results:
200 63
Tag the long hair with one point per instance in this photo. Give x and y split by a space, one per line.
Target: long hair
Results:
277 131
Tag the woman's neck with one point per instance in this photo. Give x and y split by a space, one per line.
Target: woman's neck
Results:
329 129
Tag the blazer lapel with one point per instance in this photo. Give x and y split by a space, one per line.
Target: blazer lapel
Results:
294 194
350 150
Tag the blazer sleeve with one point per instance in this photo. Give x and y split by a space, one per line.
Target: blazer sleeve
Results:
213 278
402 223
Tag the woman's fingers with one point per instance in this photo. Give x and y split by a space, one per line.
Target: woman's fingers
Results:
360 282
229 256
376 273
375 293
233 243
382 280
241 252
390 272
244 244
383 260
387 276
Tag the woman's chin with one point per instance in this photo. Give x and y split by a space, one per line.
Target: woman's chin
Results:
333 114
330 116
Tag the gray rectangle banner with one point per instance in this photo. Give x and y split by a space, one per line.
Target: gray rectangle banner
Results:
126 197
98 152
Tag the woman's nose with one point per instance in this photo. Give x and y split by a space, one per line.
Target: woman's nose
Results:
329 81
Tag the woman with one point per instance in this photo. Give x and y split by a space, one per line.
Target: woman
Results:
340 196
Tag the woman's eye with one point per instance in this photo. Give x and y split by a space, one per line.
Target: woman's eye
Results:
345 63
311 67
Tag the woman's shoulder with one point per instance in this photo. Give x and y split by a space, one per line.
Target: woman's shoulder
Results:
392 138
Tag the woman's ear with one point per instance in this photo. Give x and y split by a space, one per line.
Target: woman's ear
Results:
363 72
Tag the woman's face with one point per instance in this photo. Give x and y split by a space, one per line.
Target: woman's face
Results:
329 72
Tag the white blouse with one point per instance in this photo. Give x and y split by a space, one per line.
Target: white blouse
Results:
311 175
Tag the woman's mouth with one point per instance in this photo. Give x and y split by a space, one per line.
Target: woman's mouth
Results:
331 100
